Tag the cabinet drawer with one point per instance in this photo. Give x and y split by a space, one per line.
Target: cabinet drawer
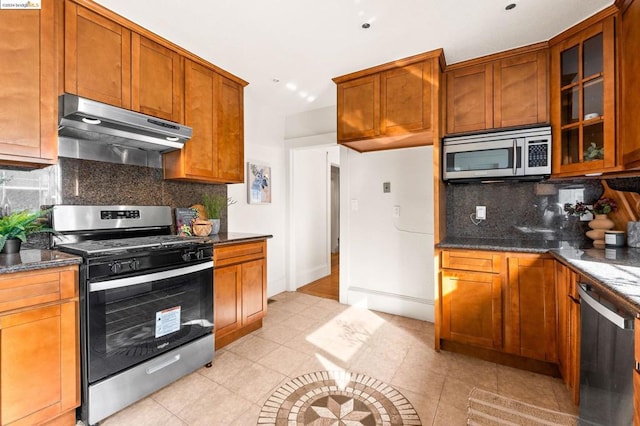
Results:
465 260
24 289
238 253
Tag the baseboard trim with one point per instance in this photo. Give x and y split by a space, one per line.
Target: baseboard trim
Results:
397 304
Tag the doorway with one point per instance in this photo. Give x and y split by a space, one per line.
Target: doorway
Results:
328 287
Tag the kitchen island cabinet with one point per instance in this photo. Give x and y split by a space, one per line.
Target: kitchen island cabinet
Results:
394 105
28 102
240 289
39 346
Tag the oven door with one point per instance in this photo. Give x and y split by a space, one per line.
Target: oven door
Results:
473 160
136 318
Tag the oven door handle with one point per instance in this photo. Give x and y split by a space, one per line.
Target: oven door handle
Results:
145 278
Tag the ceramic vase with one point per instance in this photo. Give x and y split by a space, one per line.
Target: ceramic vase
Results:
215 226
598 226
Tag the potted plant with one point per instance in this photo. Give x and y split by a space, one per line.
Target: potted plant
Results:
601 222
213 205
15 228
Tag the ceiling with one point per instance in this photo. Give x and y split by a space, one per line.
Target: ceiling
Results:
288 50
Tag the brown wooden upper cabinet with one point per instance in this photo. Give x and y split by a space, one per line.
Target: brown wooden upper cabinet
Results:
214 108
503 90
583 98
394 105
97 57
157 79
28 111
630 84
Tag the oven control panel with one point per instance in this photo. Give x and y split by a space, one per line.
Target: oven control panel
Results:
119 214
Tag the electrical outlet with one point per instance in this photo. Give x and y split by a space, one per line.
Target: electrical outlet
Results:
396 211
481 212
386 187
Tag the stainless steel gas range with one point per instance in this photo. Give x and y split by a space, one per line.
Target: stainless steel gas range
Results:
146 302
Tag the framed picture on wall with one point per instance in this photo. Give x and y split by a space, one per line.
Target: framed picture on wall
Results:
258 183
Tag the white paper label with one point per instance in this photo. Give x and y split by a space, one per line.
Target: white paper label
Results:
167 321
20 4
610 238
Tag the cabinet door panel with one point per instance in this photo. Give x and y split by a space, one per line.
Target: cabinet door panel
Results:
472 308
200 151
470 99
97 57
157 78
38 354
530 323
406 99
254 299
229 119
359 108
27 100
521 90
227 302
630 83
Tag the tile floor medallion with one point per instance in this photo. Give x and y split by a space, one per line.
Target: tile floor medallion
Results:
337 397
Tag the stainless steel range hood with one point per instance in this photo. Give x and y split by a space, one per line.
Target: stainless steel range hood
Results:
87 120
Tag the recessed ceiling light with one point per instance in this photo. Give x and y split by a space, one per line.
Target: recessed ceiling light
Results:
276 80
366 25
510 6
292 87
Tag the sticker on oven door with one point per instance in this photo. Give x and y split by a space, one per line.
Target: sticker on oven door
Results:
167 321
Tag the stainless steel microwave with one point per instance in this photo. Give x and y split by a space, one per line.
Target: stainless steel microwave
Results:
523 154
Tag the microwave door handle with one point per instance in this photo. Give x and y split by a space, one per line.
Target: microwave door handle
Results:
515 157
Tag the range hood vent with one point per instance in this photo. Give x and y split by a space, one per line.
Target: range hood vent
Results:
87 120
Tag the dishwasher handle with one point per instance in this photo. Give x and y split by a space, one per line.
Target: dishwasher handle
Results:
613 317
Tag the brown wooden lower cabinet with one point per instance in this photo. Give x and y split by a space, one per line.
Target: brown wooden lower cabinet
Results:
568 330
636 377
530 307
240 290
39 346
472 308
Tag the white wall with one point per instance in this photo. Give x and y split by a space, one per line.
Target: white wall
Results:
264 132
387 264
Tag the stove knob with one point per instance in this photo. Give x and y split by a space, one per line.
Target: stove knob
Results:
115 267
134 264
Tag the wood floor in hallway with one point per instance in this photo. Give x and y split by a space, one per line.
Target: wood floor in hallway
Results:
327 287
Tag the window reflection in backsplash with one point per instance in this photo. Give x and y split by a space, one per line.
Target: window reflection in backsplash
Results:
523 211
28 189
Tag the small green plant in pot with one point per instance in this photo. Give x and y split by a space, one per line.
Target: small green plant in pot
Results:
213 206
15 228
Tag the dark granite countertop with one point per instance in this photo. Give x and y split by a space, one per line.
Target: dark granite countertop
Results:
498 244
616 270
32 259
234 237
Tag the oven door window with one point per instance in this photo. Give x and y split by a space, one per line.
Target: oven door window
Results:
137 318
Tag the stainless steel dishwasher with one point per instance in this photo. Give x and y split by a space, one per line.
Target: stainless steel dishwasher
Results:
606 361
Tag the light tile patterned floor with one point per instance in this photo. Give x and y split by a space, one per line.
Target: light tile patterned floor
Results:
304 334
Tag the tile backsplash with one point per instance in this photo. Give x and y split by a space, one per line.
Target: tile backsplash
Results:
84 182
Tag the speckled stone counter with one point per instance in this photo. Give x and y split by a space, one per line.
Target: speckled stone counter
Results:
29 260
617 271
513 245
234 238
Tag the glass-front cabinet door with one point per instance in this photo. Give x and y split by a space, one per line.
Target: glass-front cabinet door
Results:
583 101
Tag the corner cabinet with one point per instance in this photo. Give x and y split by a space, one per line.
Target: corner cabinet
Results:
395 105
240 289
39 346
214 108
28 101
630 85
583 99
504 90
